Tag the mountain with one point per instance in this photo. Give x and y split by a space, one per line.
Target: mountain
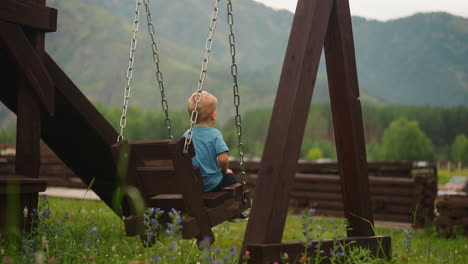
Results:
421 59
92 46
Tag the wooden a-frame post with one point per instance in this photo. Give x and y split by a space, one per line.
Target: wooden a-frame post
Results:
22 27
317 23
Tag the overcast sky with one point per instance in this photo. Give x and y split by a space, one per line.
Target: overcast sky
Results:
388 9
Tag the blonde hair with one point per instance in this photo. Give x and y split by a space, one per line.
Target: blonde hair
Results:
206 107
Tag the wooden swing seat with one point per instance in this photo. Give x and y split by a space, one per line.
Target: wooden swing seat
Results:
166 179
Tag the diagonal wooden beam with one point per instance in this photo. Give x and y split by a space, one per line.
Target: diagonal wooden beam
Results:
28 62
79 104
347 120
286 131
29 15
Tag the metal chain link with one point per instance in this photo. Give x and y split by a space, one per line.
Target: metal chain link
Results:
235 89
131 62
159 75
204 68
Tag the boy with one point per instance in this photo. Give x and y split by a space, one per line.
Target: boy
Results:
210 149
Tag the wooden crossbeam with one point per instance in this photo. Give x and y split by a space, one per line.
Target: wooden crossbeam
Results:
28 62
29 15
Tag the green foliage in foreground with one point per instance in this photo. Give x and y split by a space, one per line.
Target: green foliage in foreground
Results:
89 232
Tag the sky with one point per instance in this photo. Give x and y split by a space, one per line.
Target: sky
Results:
388 9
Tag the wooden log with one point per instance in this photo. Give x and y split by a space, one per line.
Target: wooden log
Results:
452 202
31 15
301 177
329 212
452 212
404 218
393 199
330 205
390 182
378 169
311 195
320 187
286 131
404 192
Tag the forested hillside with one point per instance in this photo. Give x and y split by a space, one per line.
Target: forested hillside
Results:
421 59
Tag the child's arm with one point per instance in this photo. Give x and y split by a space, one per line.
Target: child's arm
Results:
223 162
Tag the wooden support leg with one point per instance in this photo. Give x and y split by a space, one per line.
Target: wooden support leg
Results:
282 147
28 133
347 120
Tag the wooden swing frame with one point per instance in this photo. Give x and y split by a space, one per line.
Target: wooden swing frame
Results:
317 24
44 98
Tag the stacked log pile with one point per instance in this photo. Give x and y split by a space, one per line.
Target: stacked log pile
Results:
452 215
409 197
52 169
399 191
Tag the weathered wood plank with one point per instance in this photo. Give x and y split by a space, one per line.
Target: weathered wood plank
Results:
216 215
192 189
281 153
153 149
29 63
347 120
29 15
176 201
25 185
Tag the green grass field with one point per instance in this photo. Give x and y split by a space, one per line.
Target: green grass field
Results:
78 231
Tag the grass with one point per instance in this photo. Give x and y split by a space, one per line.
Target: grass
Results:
76 231
445 175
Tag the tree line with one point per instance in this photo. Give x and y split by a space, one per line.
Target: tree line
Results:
391 132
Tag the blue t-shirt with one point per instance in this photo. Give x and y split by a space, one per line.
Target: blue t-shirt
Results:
208 143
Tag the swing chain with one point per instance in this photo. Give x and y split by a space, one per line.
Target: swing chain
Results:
235 88
204 68
131 62
159 75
